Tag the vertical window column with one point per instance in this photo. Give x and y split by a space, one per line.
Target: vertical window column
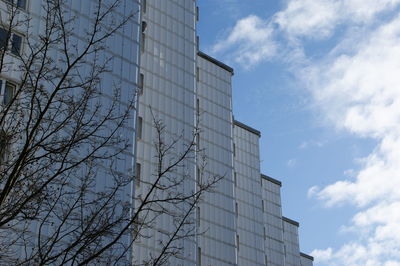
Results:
138 174
139 127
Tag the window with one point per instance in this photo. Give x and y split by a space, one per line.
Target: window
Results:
198 106
144 6
18 3
143 42
197 13
3 146
139 127
236 209
237 241
198 256
234 149
198 141
265 233
266 260
138 173
263 205
136 227
198 217
198 175
16 42
3 38
197 43
13 39
235 178
141 83
197 74
9 90
144 26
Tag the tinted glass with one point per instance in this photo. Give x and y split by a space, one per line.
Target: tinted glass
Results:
16 44
21 4
3 38
8 92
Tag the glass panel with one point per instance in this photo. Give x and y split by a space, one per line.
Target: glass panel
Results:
3 38
8 92
16 44
139 127
21 4
138 173
3 147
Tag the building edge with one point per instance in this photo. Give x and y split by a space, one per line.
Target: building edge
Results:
244 126
307 256
273 180
290 221
215 61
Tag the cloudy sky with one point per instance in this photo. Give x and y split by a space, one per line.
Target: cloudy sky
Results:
321 80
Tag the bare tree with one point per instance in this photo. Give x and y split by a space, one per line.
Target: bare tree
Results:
65 197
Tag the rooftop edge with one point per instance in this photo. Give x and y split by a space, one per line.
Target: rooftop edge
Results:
215 61
273 180
307 256
252 130
290 221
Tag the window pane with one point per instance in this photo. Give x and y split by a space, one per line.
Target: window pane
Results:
3 147
8 92
21 4
3 38
139 127
16 44
138 173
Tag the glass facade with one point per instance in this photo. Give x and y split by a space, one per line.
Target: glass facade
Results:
250 220
217 213
274 248
168 66
240 223
291 242
155 57
120 53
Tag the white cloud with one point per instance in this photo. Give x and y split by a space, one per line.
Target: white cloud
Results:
358 89
251 40
360 92
318 18
309 17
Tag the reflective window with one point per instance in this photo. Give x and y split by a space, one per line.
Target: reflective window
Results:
19 3
9 91
138 173
14 39
139 127
16 44
3 147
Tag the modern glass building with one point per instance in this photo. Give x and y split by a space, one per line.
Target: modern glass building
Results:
155 60
168 80
216 244
241 222
38 46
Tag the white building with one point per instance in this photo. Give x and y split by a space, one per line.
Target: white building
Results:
241 223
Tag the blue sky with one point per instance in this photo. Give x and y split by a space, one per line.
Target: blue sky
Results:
320 79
